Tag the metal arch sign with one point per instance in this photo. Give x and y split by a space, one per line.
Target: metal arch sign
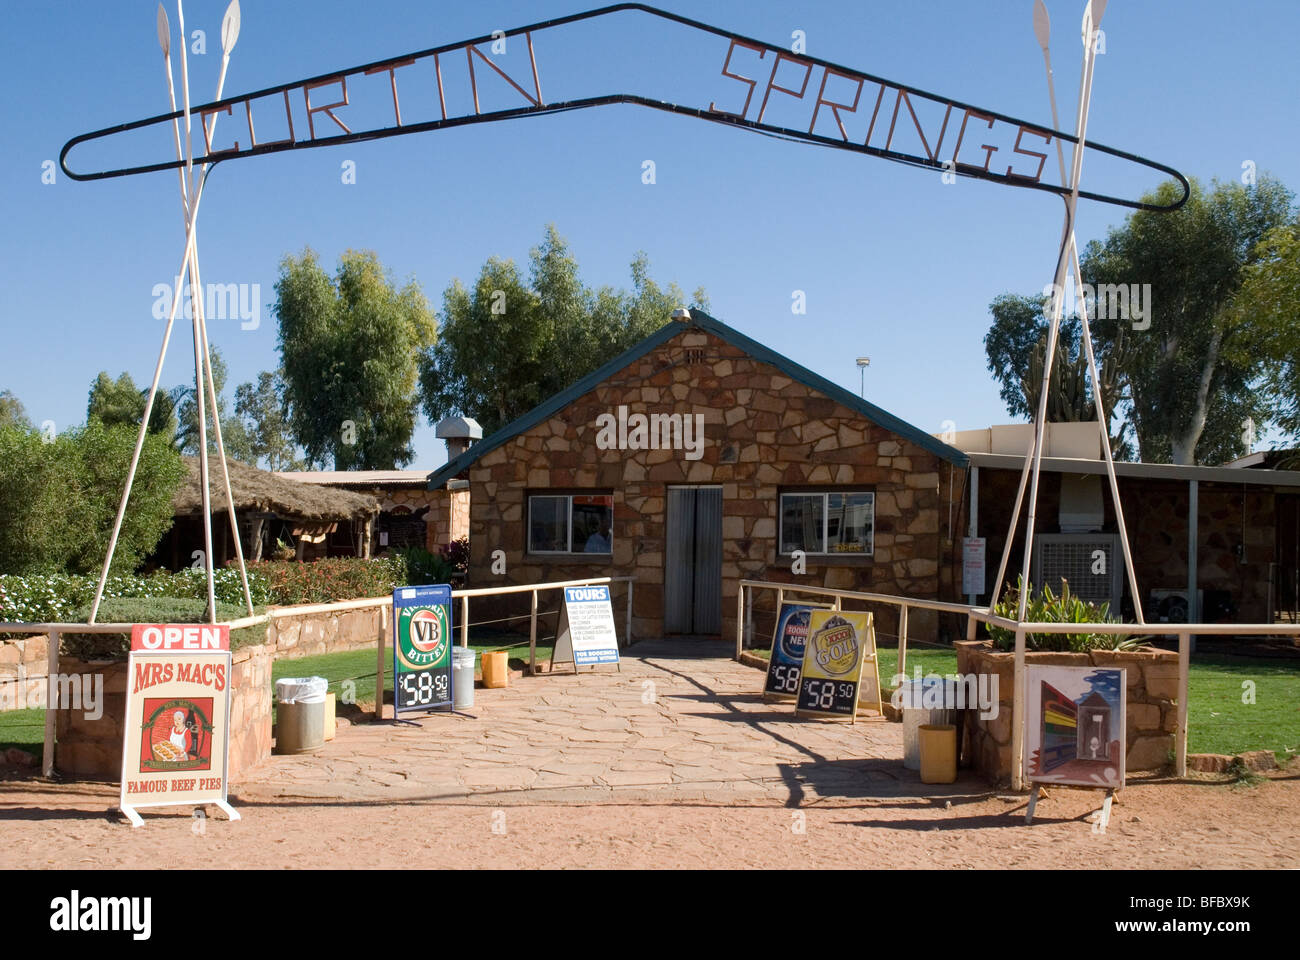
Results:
314 112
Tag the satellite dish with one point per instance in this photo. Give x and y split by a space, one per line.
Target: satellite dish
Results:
164 31
1042 24
230 27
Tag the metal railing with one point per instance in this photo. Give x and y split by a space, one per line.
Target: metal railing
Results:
56 630
975 615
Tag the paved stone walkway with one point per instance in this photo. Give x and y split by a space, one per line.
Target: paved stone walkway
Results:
666 726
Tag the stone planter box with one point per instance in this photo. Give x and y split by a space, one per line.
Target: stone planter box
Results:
1151 706
92 749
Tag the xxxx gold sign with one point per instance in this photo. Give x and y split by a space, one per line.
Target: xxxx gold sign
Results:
840 648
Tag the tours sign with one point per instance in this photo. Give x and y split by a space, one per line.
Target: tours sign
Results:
839 661
422 674
586 633
786 664
176 738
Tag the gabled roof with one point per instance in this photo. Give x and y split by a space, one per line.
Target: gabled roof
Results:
702 321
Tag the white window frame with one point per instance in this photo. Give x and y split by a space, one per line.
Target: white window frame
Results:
568 526
826 520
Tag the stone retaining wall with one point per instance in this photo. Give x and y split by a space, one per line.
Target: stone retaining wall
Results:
23 672
92 749
1151 707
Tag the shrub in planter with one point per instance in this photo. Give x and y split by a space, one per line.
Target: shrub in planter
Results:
1046 607
421 566
335 578
115 646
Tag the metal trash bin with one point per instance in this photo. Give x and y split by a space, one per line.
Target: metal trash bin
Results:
300 714
462 678
914 694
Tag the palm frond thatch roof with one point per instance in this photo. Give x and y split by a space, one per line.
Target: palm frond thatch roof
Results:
263 492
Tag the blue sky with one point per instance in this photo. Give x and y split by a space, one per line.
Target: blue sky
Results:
894 264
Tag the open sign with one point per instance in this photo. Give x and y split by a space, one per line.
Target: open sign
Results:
186 637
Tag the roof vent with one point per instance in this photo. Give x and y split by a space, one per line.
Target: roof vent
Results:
459 432
682 315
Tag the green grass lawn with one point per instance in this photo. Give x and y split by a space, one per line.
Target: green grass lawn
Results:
24 729
358 666
1217 719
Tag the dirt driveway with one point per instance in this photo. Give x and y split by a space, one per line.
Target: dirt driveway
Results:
672 762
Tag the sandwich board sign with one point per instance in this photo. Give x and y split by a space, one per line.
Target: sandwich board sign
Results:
422 638
839 661
586 634
176 740
786 664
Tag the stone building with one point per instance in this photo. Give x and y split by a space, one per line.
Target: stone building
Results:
699 458
410 513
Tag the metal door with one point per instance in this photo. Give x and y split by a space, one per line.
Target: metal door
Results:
693 561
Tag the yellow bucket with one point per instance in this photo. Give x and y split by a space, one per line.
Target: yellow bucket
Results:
496 669
938 744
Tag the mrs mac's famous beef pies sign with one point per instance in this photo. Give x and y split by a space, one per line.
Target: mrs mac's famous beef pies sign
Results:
177 731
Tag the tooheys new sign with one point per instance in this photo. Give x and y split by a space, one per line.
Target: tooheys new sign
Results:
177 730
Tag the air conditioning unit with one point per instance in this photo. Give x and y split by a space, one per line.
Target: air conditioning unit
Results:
1170 606
1089 562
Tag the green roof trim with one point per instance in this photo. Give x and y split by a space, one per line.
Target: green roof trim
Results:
702 321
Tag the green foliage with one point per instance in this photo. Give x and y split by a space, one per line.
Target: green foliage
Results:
422 566
1195 375
1047 607
115 646
261 408
57 598
349 348
234 435
58 499
510 343
334 578
120 403
1270 296
12 411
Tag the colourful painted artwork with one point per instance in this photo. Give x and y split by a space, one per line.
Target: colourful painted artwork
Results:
1076 725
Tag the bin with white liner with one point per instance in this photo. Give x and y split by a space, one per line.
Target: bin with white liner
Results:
462 678
300 714
916 693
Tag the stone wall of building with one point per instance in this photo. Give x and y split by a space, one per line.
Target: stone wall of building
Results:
765 433
1151 708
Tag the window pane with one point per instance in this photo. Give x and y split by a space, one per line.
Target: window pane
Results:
593 521
849 521
548 524
801 522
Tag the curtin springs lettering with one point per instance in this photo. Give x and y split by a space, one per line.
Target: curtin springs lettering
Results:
656 431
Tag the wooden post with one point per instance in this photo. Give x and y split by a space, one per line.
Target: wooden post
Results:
902 641
379 665
51 713
1018 715
1193 560
464 621
1184 664
532 636
971 625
